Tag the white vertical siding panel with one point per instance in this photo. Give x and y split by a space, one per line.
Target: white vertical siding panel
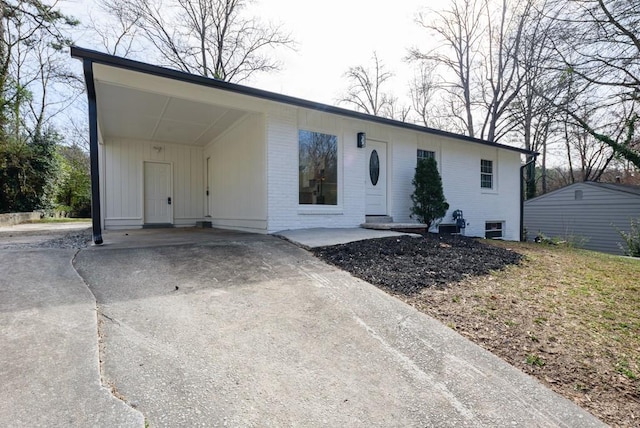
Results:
124 179
238 186
179 187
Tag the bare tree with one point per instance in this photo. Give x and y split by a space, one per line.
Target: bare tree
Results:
116 27
208 37
534 116
590 158
599 48
461 31
365 87
423 90
32 44
481 45
366 91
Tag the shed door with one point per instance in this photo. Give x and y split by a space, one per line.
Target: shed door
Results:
157 193
376 177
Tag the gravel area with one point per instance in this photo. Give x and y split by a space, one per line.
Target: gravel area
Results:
407 265
22 240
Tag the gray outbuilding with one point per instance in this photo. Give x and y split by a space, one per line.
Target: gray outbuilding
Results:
588 214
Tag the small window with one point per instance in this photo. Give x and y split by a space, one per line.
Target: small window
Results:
374 167
493 229
486 174
426 154
577 195
318 168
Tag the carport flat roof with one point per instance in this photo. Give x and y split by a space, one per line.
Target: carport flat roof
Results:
91 57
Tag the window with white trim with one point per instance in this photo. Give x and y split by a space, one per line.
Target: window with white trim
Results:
493 229
318 168
486 174
426 154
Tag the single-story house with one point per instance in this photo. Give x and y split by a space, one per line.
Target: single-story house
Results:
171 148
587 214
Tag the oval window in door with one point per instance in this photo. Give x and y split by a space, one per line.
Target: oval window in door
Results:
374 167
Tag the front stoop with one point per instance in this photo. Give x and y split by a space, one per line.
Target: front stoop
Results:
390 225
378 219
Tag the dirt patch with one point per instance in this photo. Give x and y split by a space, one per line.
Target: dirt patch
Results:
407 265
570 318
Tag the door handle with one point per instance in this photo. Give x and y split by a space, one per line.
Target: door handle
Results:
169 200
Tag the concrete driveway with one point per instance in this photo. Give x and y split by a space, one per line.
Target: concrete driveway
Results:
211 328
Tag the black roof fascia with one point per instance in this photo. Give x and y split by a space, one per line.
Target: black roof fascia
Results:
115 61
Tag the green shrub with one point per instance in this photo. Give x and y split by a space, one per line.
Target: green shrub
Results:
429 203
73 190
631 239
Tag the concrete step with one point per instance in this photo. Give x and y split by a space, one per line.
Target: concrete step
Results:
396 227
157 226
378 219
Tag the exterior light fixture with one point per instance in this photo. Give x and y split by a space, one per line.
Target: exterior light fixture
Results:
362 140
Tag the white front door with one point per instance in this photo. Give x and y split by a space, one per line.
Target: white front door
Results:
376 173
157 193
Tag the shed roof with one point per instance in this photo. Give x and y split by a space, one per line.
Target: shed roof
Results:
91 57
626 188
633 191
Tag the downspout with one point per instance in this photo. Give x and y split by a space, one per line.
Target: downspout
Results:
87 65
532 161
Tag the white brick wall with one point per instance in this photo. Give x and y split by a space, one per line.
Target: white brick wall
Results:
458 161
284 211
459 164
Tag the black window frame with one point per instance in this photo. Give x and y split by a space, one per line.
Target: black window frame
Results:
319 191
491 232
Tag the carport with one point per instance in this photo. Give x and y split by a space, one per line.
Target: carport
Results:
166 151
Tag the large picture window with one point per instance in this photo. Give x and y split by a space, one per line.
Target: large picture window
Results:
318 168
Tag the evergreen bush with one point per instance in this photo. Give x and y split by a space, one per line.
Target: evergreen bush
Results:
429 203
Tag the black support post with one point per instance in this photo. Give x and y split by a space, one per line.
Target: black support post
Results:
93 152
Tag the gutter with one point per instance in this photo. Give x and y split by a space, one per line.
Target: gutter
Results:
532 161
87 66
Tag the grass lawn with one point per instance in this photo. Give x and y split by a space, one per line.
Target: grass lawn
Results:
569 317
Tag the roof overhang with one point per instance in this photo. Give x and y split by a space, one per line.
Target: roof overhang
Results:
134 105
143 101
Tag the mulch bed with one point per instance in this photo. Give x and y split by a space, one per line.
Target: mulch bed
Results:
407 265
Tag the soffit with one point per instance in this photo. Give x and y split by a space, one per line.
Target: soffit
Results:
140 114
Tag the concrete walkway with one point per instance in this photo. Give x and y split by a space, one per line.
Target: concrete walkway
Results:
322 237
209 328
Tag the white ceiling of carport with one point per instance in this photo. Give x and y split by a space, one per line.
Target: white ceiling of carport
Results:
132 113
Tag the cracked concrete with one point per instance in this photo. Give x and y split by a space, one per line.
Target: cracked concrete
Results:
49 370
212 328
248 330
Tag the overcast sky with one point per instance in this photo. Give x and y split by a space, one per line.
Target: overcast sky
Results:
331 36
